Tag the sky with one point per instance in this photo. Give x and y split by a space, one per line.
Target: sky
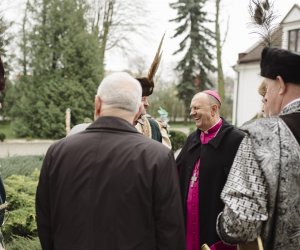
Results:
239 36
234 12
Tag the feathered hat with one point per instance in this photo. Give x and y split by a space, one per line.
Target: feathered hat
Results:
2 79
147 83
263 17
280 62
274 61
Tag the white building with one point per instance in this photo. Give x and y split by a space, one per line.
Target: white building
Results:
247 102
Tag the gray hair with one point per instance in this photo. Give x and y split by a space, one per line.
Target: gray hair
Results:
121 91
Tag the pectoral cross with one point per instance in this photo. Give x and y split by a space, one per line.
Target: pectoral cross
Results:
193 179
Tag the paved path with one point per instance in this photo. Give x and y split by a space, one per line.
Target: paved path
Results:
24 147
38 147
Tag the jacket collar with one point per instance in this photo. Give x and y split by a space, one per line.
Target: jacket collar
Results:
215 142
291 108
111 123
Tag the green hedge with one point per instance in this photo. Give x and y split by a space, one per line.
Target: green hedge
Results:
177 138
20 215
20 175
2 137
22 243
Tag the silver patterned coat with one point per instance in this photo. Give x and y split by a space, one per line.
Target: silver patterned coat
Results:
262 193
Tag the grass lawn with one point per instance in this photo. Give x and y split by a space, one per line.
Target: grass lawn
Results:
6 129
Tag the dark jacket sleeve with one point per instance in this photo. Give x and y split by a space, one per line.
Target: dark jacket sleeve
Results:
2 192
43 206
168 210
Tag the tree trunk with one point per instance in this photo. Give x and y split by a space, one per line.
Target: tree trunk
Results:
107 22
24 44
221 88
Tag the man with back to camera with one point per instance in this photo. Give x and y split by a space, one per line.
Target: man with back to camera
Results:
262 193
109 187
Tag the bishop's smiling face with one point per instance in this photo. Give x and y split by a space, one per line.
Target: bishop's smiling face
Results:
202 111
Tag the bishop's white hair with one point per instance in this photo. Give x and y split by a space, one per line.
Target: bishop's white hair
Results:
121 91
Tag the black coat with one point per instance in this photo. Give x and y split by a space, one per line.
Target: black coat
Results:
109 188
216 159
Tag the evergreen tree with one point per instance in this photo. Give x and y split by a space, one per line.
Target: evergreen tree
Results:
61 41
3 28
62 68
5 39
40 109
196 45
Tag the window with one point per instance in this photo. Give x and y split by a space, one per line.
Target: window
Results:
294 40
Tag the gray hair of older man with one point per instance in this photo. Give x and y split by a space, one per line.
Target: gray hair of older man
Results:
120 91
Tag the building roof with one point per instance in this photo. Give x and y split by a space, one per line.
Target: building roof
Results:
295 6
253 55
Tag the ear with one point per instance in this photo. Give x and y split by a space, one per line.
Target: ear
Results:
282 85
138 114
98 105
214 109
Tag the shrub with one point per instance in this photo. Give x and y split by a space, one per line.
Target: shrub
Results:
20 216
177 138
40 111
23 243
2 136
20 176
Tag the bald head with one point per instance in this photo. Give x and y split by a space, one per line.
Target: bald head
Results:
120 91
119 95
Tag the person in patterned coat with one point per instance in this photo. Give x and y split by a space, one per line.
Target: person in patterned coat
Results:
146 124
262 192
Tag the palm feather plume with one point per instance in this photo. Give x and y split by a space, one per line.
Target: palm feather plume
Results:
2 78
263 17
147 83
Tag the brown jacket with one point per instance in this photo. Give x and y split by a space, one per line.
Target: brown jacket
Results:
109 188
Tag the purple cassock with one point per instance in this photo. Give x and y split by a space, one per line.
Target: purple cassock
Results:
192 223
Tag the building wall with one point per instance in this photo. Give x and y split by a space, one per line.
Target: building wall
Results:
247 101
